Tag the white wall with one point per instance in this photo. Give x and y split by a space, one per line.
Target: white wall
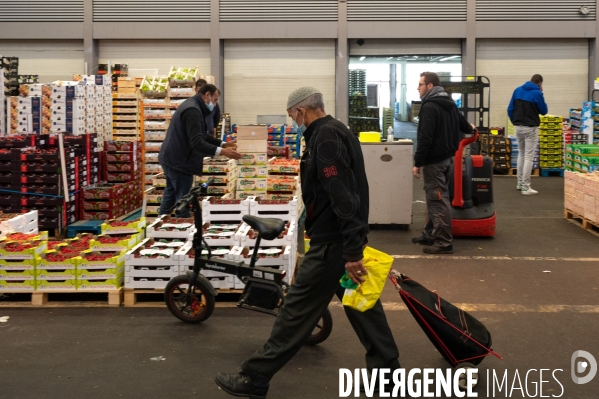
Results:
50 59
157 55
510 63
260 75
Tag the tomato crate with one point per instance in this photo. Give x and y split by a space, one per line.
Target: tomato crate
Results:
58 285
52 154
267 256
17 286
18 264
55 274
146 282
94 260
46 167
123 157
288 166
11 222
219 283
218 166
43 202
218 209
171 227
102 284
282 183
220 234
14 275
247 236
186 258
122 146
281 209
155 252
168 271
114 226
99 274
115 242
22 250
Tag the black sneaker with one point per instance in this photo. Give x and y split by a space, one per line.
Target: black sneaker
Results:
438 250
422 240
240 384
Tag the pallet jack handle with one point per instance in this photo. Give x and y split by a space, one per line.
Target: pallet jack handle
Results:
458 197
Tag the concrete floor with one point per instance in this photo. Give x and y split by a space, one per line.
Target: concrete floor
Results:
537 320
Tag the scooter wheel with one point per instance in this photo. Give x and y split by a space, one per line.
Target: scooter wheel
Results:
191 304
322 330
463 380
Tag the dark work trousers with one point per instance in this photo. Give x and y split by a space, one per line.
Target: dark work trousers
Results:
178 185
436 187
316 283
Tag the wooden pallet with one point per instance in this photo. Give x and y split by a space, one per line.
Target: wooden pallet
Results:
155 298
68 299
514 172
580 221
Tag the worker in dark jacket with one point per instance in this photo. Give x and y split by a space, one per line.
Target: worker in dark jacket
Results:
440 129
335 192
213 119
185 146
524 109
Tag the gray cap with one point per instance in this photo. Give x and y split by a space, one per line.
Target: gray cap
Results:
299 95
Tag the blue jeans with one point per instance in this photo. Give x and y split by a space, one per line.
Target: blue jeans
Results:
178 185
528 138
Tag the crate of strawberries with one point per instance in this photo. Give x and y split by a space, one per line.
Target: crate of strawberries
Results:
186 257
114 226
220 234
155 252
62 257
22 250
247 236
94 260
170 227
115 242
267 256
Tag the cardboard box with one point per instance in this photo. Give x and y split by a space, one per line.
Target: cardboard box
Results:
252 132
251 184
253 158
252 146
252 171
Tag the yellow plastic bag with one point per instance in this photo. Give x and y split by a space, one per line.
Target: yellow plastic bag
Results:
364 297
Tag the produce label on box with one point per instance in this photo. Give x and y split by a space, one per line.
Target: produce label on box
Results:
251 184
253 159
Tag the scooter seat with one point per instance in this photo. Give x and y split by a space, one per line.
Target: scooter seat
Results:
268 228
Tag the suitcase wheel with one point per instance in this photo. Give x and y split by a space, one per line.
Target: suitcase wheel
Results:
463 380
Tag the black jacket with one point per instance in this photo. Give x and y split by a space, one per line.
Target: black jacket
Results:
440 128
334 187
186 143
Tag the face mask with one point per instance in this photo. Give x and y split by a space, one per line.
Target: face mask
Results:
299 129
210 106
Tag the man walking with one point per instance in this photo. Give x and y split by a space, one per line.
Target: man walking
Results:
440 129
524 109
335 192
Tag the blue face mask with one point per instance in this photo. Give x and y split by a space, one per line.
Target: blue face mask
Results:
299 129
210 106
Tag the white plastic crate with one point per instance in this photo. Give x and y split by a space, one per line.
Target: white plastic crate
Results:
223 239
146 282
159 228
218 209
151 244
286 210
152 271
285 258
222 282
289 239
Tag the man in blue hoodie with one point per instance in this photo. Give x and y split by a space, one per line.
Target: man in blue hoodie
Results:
524 109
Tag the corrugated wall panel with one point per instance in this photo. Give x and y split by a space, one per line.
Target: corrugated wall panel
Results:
406 10
278 10
510 63
41 11
534 10
50 59
152 11
158 55
260 75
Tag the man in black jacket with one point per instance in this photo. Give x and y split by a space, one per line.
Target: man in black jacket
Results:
185 146
335 192
440 128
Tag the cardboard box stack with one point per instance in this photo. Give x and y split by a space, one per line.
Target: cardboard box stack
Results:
125 111
253 172
551 142
590 121
582 158
581 193
10 66
283 179
498 148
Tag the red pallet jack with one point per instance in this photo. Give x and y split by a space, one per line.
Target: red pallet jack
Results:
473 209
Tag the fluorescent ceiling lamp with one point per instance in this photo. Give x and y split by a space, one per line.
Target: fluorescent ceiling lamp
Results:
362 58
390 58
449 58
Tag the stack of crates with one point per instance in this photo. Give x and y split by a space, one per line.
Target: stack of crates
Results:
252 175
498 148
293 140
582 158
388 119
357 81
590 121
551 142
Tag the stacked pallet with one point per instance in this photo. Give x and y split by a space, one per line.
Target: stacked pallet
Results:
551 142
252 175
581 199
582 158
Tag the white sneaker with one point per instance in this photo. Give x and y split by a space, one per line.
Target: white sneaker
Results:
519 187
530 191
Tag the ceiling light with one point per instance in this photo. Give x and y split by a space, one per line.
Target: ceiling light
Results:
584 10
449 58
362 58
390 58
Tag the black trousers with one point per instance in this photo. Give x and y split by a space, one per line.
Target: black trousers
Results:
436 187
316 283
